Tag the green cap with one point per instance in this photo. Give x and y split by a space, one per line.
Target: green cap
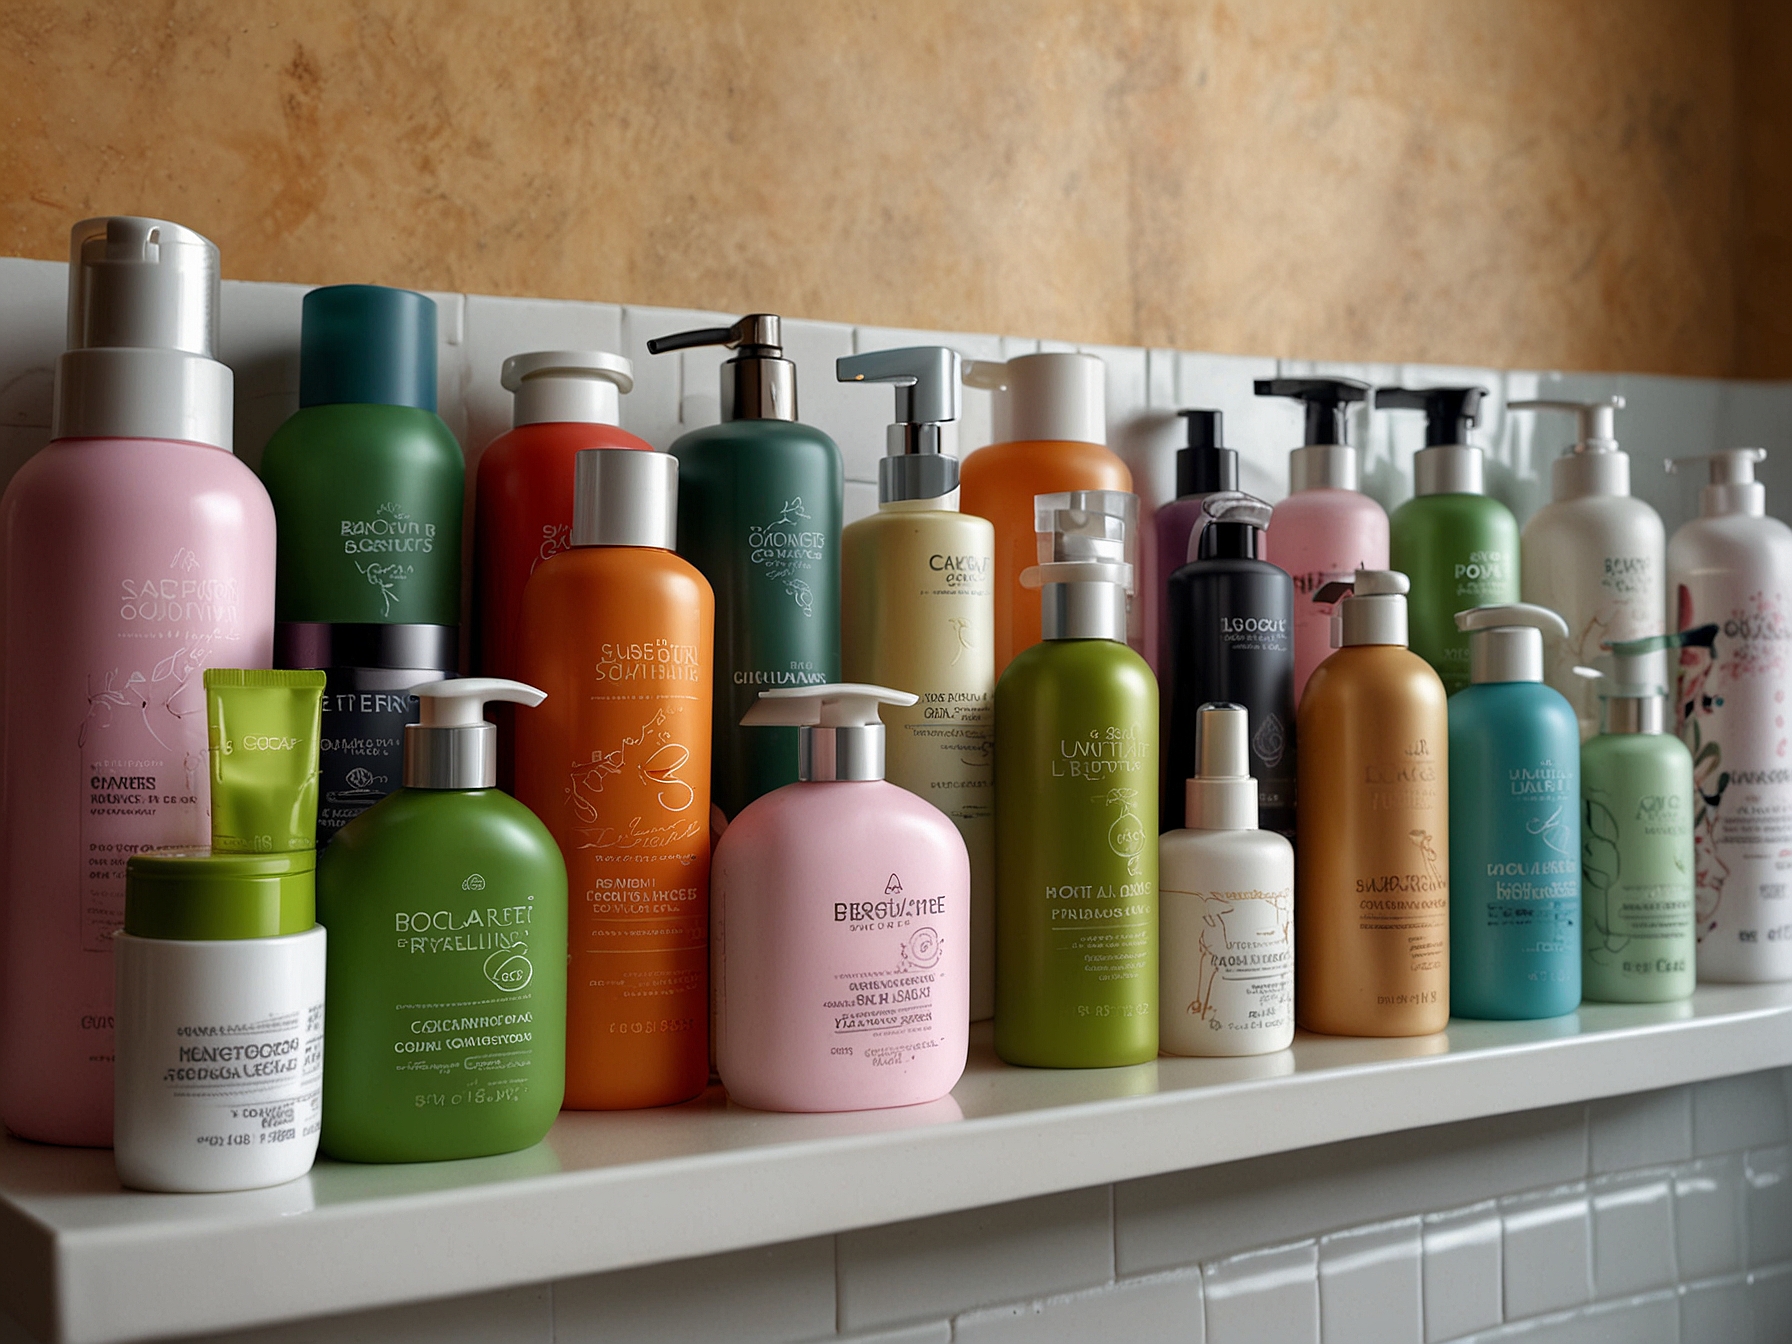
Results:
196 895
367 345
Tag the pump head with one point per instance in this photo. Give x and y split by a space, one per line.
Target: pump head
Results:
452 746
1234 525
1371 607
567 386
1595 420
1221 796
1733 487
1450 412
1506 640
1593 465
1055 397
1088 543
1634 681
921 459
1326 460
1206 465
842 728
758 383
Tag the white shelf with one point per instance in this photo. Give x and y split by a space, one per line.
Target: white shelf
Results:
86 1261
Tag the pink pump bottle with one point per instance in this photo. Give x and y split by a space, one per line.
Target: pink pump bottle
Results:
840 924
137 552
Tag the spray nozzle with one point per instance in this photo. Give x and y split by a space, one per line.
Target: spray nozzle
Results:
451 746
1595 420
841 727
1506 640
921 460
1327 402
1450 412
1221 795
1088 544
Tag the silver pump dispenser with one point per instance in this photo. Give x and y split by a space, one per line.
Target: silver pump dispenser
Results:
1506 640
142 336
840 727
758 383
1634 679
624 497
1088 543
567 386
1593 464
1733 487
452 746
1222 795
1371 607
921 458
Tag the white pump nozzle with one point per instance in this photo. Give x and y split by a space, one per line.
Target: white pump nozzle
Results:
1733 487
452 746
1221 796
1593 465
1371 607
842 725
1506 640
1595 420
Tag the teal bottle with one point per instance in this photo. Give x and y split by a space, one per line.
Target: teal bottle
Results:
759 513
1514 824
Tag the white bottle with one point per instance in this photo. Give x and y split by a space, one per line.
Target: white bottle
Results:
1732 566
1592 554
1226 908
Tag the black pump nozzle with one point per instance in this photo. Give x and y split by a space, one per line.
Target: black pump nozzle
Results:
758 383
1450 412
1327 401
757 335
1206 465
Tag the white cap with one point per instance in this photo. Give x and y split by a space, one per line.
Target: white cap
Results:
1593 464
452 746
1506 640
1372 609
842 725
1222 796
1733 488
1048 398
567 386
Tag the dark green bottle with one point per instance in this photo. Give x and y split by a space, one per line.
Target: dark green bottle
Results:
759 513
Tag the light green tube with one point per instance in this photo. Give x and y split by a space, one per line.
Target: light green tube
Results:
265 727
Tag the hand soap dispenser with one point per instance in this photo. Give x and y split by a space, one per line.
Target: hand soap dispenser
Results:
759 512
1593 554
445 904
1732 565
918 610
1458 547
841 925
1514 824
1203 468
1327 529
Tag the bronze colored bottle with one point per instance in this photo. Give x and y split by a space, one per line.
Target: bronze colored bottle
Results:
1372 897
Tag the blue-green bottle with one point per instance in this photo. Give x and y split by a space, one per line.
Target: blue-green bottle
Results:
1514 824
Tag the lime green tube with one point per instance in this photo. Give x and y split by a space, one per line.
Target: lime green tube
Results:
264 728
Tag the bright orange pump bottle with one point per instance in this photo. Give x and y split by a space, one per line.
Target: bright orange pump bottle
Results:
1052 412
620 633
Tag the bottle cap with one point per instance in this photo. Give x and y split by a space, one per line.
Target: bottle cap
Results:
1049 398
367 345
452 746
1326 461
1234 527
1733 488
1088 542
1206 465
1448 464
1506 640
624 497
842 727
921 446
1634 680
198 896
567 387
142 336
1372 609
758 383
1593 464
1222 796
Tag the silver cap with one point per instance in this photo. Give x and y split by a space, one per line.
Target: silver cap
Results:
625 497
453 747
1332 466
1458 469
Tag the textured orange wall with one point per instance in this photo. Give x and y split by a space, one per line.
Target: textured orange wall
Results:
1542 183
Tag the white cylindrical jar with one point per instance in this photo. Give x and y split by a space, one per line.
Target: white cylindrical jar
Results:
220 1021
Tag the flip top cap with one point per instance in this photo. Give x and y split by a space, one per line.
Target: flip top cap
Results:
1506 640
1206 465
367 345
452 746
624 497
1053 397
1371 607
841 727
567 387
921 445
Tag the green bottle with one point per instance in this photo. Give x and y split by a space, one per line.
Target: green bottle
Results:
759 513
1076 807
446 970
1458 547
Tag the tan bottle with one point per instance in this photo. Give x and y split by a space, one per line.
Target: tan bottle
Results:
1372 895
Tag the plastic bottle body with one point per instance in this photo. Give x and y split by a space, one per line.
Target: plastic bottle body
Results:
1515 852
1174 530
1319 536
759 513
615 762
130 565
1458 551
1076 863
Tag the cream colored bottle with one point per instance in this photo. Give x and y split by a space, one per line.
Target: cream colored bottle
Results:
1372 892
918 614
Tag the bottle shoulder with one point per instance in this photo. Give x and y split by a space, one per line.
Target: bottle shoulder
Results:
127 467
1507 705
1233 567
1373 675
1595 516
1189 845
833 813
1085 661
1454 510
424 825
1636 751
962 531
1051 464
334 438
781 436
1734 539
578 568
545 445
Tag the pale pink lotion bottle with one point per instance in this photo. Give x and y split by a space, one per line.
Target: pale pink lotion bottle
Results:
138 551
840 924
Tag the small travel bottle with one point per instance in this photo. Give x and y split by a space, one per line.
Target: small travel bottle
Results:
841 924
1204 467
1226 904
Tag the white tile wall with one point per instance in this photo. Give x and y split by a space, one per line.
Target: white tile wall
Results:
1371 1288
1547 1251
1633 1233
1264 1295
1640 1131
1710 1215
1462 1281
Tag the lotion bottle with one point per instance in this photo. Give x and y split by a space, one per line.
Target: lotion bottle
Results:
1732 566
1372 900
841 924
1203 468
918 610
1227 907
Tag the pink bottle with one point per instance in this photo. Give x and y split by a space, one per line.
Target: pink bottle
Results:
840 924
1326 529
137 552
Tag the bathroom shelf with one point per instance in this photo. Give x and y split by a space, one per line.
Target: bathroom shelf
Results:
86 1261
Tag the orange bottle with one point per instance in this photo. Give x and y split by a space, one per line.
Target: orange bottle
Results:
1051 411
620 633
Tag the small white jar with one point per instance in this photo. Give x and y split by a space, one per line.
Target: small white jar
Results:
220 1021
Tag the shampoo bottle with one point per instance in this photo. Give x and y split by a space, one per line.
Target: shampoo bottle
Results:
1230 617
1458 547
1227 906
367 484
1051 422
917 610
619 632
446 976
137 552
759 513
1732 566
1593 554
1372 901
1327 529
1203 468
1514 824
841 924
1076 807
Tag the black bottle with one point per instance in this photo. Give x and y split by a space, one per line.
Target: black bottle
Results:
1231 640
